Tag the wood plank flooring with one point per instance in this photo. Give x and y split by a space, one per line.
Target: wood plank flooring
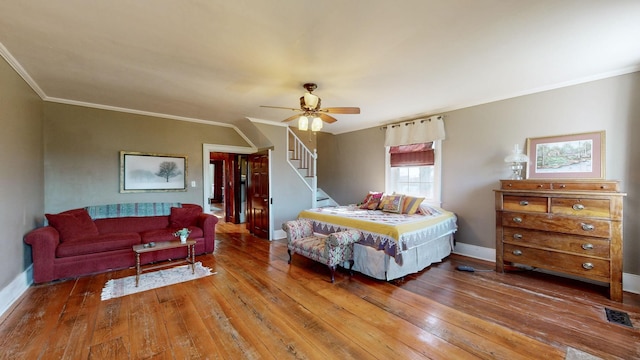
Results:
257 306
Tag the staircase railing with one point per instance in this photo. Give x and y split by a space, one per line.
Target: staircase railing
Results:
307 162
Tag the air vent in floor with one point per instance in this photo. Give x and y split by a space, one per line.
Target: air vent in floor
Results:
618 317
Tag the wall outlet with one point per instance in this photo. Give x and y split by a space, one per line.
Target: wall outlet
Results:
193 184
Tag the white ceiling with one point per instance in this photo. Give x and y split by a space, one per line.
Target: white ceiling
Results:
219 60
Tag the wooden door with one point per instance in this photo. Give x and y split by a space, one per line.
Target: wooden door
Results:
230 189
259 195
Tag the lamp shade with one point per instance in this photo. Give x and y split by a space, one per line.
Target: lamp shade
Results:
310 101
316 124
516 156
303 123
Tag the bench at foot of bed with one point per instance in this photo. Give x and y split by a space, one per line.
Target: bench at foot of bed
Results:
331 250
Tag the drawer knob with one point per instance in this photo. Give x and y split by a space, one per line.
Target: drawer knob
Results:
517 236
587 227
578 207
540 186
587 246
563 186
518 253
517 219
524 203
587 266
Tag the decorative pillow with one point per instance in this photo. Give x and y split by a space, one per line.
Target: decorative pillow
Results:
392 203
411 204
73 224
428 210
182 217
372 201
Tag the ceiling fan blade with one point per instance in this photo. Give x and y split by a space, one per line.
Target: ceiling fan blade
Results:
326 118
341 110
291 118
279 107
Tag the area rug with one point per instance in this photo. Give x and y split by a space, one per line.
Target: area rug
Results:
152 280
575 354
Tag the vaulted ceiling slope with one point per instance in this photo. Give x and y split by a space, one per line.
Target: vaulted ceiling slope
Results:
219 60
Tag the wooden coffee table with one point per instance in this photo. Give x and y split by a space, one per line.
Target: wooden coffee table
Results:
164 245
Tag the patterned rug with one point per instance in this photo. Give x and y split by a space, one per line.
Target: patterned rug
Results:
152 280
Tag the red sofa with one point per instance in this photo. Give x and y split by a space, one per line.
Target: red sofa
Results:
96 239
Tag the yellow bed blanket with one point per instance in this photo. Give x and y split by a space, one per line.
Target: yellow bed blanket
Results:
393 233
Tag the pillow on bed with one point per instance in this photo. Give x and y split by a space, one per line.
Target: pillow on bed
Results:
372 200
391 203
428 210
411 204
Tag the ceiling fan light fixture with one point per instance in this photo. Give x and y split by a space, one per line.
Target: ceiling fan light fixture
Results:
310 101
303 123
316 124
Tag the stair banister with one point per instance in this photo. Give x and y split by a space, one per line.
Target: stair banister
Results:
307 162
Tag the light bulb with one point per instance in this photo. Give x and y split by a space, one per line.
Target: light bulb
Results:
316 125
303 123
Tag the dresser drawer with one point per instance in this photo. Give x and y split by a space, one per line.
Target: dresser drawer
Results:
585 185
525 203
562 224
592 268
581 207
579 245
524 185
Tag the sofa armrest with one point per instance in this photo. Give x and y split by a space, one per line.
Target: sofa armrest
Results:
298 229
44 242
207 223
343 238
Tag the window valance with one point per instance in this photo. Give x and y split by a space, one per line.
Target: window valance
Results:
415 132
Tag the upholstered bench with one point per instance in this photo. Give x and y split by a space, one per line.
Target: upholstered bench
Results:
331 250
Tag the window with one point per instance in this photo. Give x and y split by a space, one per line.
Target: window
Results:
415 170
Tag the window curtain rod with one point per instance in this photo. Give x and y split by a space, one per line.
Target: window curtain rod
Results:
412 122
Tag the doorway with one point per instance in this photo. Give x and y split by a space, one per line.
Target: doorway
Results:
236 183
216 171
228 200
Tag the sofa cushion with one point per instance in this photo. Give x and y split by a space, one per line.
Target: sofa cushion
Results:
131 224
184 217
157 235
73 224
98 244
166 234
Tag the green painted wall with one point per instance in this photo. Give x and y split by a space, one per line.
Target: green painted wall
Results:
22 177
82 154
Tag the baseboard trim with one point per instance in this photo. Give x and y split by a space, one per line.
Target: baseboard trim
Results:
474 251
10 293
279 234
630 282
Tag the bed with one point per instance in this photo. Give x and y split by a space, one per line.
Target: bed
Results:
392 245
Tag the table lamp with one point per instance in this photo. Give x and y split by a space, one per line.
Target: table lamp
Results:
517 159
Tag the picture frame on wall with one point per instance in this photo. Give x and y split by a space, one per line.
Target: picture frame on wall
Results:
151 172
576 156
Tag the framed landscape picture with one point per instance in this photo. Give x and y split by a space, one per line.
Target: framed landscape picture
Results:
577 156
147 172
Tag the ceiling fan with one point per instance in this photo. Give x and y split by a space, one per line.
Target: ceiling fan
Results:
310 108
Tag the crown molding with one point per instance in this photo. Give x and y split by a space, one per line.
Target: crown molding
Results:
4 52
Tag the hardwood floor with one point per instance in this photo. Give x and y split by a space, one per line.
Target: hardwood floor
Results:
257 306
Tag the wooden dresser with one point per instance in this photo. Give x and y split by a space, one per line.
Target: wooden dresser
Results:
566 226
